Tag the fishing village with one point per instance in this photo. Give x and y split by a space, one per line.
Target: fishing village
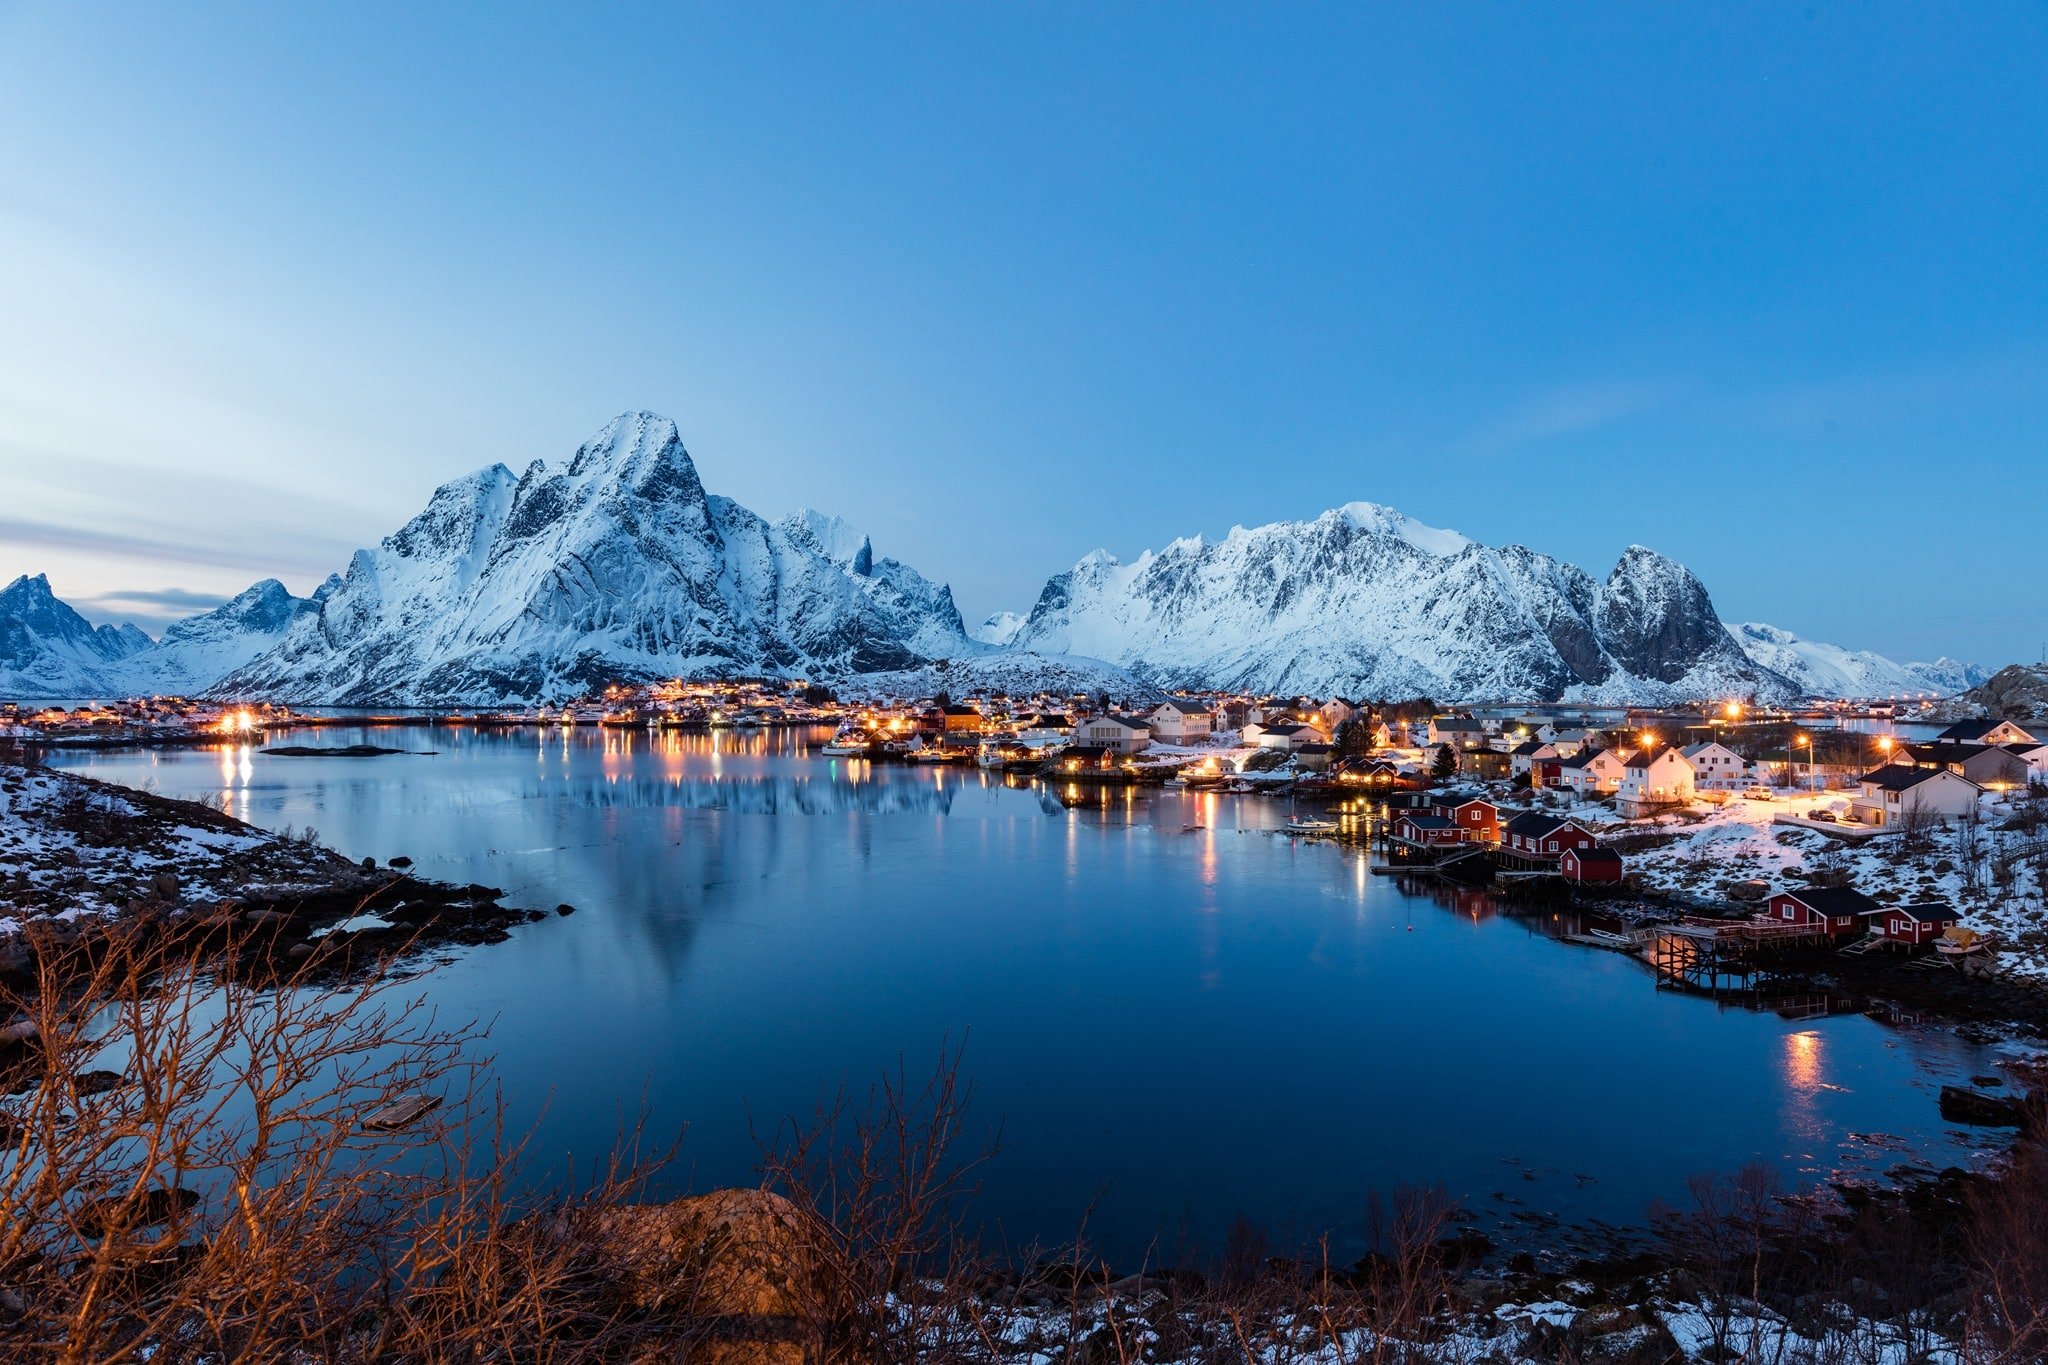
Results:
1728 846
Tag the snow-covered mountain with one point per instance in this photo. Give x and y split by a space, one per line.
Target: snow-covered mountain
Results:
1365 601
49 650
1823 670
999 628
617 566
197 652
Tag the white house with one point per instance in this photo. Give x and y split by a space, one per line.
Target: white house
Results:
1287 737
1460 732
2035 756
1896 792
1335 712
1180 722
1654 778
1984 732
1716 767
1124 734
1591 772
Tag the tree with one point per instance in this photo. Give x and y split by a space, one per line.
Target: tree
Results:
1353 738
1445 763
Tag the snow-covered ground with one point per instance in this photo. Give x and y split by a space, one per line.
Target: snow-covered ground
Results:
74 849
1712 847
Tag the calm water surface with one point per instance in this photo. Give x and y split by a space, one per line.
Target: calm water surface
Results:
1178 1026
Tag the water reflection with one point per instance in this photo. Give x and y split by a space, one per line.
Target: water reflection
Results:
1166 998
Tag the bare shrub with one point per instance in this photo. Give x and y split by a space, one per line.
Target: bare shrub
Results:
202 1161
881 1191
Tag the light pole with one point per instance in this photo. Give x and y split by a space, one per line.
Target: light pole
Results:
1806 742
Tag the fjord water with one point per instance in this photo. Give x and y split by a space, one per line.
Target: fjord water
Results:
1177 1014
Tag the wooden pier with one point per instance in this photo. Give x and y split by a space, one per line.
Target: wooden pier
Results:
1705 952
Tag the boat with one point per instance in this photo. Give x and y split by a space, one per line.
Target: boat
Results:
1304 825
848 744
1175 782
1959 942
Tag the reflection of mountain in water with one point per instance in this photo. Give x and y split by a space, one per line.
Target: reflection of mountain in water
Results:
770 796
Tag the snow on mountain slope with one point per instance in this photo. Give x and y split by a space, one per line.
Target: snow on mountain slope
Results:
999 628
1364 601
1824 670
618 566
196 652
49 650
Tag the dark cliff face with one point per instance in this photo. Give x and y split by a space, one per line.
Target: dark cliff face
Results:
1656 619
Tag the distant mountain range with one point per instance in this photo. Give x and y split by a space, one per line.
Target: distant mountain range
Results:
619 566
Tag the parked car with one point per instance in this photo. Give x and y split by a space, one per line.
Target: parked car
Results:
1759 794
1829 816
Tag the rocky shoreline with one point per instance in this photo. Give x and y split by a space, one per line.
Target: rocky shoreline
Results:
80 857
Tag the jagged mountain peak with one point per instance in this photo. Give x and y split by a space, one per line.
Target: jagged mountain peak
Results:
615 566
642 451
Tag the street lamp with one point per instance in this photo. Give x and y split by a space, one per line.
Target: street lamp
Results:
1806 742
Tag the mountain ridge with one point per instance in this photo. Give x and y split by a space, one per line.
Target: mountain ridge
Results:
619 565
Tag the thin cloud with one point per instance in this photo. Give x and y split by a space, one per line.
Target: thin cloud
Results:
1563 412
310 555
181 599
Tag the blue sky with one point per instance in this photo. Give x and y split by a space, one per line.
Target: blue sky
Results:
1763 287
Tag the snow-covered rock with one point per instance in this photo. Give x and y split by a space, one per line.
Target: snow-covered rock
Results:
1823 670
49 650
617 566
2016 692
1365 601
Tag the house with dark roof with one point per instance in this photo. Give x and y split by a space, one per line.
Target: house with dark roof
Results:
1912 926
1179 721
1420 829
1653 779
1477 819
1460 732
1984 732
1834 910
1124 734
1898 792
2035 756
1988 765
1535 840
1593 865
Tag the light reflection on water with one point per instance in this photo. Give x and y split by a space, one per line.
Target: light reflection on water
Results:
1202 1022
